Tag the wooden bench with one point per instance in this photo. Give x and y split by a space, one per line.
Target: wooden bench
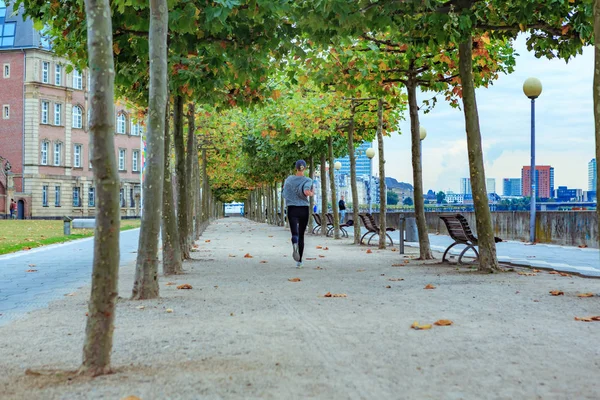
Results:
371 226
459 230
331 227
318 221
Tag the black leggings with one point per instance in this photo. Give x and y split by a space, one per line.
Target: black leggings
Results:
298 219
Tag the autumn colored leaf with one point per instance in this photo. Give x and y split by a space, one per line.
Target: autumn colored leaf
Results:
140 307
557 293
169 310
131 398
395 279
247 255
329 294
429 286
443 322
527 273
536 270
369 251
418 327
325 248
31 270
321 256
170 284
184 286
388 287
397 265
394 249
585 295
319 247
311 258
294 279
588 319
582 246
554 272
317 267
564 274
207 241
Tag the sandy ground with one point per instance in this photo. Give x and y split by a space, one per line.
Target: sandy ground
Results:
244 331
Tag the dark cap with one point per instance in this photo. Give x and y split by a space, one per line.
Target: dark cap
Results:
300 165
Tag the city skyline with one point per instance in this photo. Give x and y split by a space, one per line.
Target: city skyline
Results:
564 127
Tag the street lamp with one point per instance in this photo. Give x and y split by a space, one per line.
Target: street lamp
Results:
532 88
370 153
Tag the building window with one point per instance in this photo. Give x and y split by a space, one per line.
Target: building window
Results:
56 196
92 197
6 71
45 196
57 112
77 156
5 111
77 117
77 80
57 153
122 197
90 155
121 123
44 160
7 30
135 157
131 199
76 196
121 159
45 110
58 75
45 72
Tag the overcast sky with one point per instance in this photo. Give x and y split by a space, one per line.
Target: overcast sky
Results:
564 128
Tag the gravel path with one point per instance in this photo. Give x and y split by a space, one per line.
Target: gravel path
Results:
244 331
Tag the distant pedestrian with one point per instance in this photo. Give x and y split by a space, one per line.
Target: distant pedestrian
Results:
296 191
13 209
342 207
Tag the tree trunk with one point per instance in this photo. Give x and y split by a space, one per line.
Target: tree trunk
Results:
596 94
205 202
282 204
170 234
382 185
488 261
99 328
334 204
145 285
323 195
355 200
311 199
182 181
196 188
191 156
419 201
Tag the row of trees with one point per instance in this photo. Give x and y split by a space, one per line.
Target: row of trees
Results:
327 74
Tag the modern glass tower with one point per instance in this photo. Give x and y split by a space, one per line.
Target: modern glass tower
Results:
592 175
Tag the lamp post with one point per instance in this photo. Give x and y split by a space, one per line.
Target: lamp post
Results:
336 166
370 153
422 136
532 88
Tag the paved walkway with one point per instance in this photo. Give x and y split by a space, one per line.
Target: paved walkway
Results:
59 270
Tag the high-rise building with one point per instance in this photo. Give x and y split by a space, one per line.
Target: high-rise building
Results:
44 131
544 181
490 185
465 185
592 175
511 187
363 163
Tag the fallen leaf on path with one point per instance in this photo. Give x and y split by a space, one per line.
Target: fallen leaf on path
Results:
443 322
231 255
582 246
270 235
388 287
325 248
263 262
231 314
395 279
310 258
195 246
553 272
184 286
140 307
394 249
369 251
318 267
294 279
207 241
585 295
557 293
319 247
31 270
397 265
329 294
131 398
564 274
169 310
31 265
588 319
536 270
26 248
321 256
170 283
429 286
247 255
418 327
527 273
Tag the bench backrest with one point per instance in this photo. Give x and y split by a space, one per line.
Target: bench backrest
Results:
317 218
458 228
367 222
329 218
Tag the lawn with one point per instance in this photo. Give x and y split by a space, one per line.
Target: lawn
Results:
18 235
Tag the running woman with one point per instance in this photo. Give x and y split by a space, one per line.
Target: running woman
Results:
296 190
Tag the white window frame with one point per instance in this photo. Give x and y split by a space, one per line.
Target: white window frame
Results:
77 117
92 197
122 199
121 123
135 160
44 153
122 155
57 154
76 195
77 80
57 196
6 111
45 72
58 75
45 112
57 114
6 71
135 128
77 152
45 196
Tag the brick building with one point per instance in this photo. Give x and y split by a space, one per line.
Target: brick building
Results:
44 131
544 181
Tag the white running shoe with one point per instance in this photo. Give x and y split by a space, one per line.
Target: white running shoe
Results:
296 253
